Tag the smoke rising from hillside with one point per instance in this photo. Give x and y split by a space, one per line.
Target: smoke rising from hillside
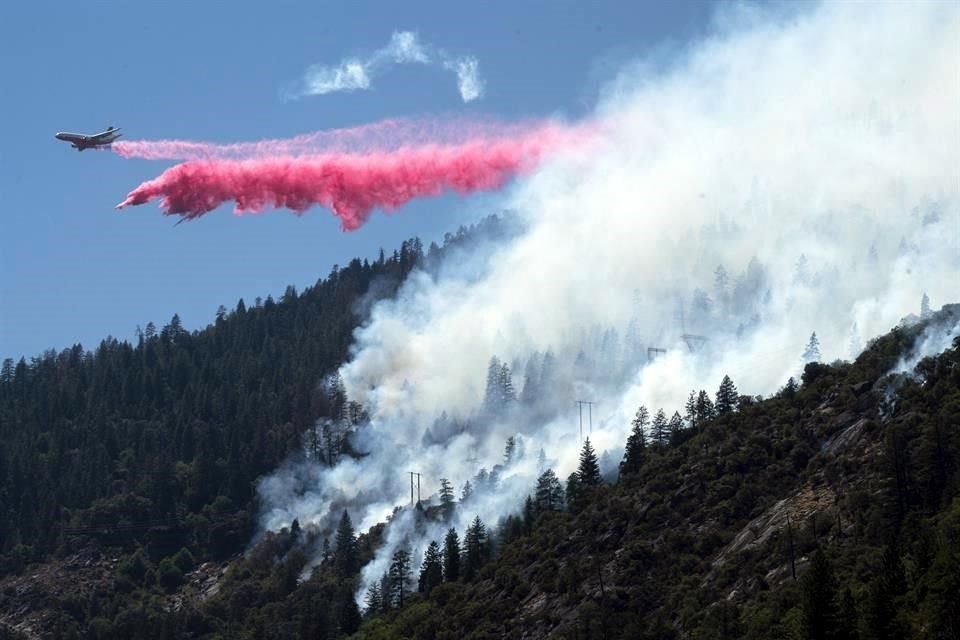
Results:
814 158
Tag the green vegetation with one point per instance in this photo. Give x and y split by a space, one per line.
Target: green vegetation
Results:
819 513
151 449
829 510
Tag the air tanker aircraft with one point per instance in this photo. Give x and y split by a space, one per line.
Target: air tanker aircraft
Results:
81 141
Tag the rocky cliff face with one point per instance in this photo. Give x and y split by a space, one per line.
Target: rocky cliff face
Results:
33 604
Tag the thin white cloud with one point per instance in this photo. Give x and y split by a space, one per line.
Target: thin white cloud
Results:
353 74
468 79
404 49
349 76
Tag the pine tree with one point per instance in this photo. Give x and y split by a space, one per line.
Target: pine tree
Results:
337 394
641 420
589 470
812 352
881 607
531 382
675 426
431 571
529 513
789 389
374 599
451 556
399 575
491 399
446 492
466 492
474 543
573 490
660 428
819 615
726 396
848 618
349 619
925 306
327 553
691 410
505 383
549 494
6 373
447 498
609 472
345 555
509 451
636 444
705 409
548 372
386 588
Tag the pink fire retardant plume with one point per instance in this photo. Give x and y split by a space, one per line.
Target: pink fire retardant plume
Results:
350 185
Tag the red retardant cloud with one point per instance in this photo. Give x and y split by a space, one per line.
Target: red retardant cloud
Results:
350 185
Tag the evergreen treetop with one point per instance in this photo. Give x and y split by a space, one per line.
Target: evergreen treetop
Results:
660 434
812 351
431 571
549 493
345 554
451 556
589 470
636 444
726 396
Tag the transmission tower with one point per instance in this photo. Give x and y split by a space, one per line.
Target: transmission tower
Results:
414 473
589 404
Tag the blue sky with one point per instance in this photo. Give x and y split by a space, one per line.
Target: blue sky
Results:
72 269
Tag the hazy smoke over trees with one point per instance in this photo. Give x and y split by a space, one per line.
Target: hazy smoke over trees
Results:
788 175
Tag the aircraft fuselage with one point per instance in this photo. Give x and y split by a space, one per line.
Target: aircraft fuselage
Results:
81 141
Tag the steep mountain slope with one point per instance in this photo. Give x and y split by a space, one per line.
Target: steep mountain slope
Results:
157 445
713 536
831 505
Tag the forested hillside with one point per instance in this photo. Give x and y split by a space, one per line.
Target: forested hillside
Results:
829 510
165 436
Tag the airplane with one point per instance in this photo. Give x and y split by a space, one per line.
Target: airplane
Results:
80 141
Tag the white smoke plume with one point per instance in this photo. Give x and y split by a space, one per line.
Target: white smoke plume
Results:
936 337
814 156
356 73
